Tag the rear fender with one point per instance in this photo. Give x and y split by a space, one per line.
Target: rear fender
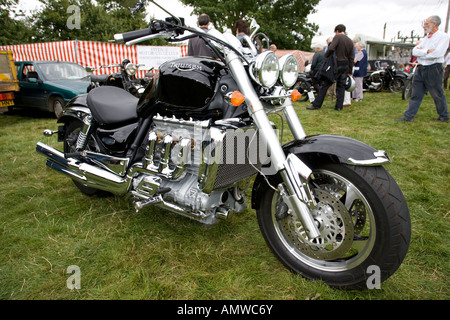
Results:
314 150
77 108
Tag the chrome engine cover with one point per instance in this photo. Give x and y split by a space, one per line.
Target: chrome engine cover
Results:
197 168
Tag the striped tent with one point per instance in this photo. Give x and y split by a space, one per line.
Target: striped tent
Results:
85 53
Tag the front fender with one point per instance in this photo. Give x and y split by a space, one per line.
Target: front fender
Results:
318 149
337 149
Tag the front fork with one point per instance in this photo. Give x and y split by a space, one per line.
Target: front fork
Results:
298 195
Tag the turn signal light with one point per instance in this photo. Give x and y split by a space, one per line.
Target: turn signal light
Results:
237 98
295 95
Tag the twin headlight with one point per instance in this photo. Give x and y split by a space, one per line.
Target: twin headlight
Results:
267 69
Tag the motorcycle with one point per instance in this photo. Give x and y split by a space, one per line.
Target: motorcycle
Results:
387 78
305 85
200 136
125 78
407 89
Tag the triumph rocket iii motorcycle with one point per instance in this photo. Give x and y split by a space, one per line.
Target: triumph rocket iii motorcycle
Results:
125 78
200 136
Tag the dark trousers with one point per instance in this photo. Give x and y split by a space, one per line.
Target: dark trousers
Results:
428 78
342 73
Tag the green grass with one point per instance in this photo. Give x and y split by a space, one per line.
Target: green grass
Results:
46 224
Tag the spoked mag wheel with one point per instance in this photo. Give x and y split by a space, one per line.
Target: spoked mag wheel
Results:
363 222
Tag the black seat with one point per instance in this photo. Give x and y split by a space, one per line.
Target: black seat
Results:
111 105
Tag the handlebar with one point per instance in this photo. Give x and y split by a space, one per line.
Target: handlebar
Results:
131 35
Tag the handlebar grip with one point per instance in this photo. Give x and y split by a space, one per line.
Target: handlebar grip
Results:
128 36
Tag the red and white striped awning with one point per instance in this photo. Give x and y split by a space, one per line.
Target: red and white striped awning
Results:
86 53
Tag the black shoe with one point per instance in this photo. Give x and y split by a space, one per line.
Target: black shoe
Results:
338 109
404 119
441 119
311 107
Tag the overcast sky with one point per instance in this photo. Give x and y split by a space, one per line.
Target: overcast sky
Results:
369 17
360 16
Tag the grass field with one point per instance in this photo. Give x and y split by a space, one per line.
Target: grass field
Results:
47 225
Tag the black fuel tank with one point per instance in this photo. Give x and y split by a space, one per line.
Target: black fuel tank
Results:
183 85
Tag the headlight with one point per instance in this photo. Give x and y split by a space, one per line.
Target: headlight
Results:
265 70
289 70
131 69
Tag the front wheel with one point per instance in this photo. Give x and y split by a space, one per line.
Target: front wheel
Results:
363 220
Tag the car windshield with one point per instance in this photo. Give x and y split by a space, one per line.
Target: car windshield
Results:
62 71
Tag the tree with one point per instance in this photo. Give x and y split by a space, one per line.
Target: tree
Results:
283 21
97 21
15 28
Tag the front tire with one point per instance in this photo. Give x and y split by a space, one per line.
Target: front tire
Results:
363 220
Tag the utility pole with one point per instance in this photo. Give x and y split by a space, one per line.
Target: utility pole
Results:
448 15
384 30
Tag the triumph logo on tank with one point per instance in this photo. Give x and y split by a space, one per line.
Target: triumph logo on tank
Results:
186 66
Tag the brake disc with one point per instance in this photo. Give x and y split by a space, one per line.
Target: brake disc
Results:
335 226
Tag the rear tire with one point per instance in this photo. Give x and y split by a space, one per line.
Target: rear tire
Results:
72 131
397 85
368 225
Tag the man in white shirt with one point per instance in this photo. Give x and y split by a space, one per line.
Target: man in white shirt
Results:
429 74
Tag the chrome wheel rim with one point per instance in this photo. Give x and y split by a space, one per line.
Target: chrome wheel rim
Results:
352 226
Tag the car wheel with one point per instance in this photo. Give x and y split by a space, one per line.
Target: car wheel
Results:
56 106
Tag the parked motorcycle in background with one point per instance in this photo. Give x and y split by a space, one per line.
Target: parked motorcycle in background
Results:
385 78
407 89
200 136
125 78
305 85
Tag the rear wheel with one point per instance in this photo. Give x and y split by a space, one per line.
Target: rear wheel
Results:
71 134
362 218
397 85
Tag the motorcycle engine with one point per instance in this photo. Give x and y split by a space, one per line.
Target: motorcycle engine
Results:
199 168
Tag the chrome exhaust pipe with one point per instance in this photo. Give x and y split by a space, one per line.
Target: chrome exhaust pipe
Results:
84 173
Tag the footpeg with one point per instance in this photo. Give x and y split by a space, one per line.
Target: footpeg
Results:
138 205
152 200
49 133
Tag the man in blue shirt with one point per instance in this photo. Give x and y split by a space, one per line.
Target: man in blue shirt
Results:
429 74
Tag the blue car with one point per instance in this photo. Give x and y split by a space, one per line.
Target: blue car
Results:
49 85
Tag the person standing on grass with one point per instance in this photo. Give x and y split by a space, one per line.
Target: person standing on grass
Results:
343 49
360 70
429 73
